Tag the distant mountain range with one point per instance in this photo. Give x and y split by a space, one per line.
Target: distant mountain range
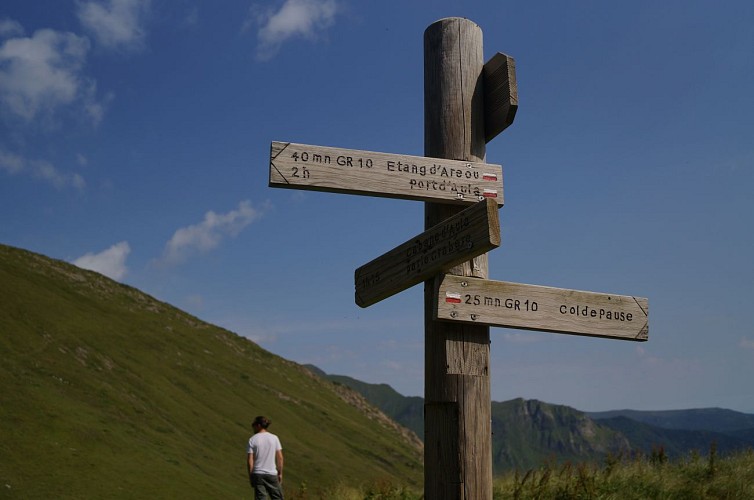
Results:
526 433
704 419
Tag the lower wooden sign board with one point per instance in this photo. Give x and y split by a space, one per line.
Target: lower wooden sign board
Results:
531 307
319 168
468 234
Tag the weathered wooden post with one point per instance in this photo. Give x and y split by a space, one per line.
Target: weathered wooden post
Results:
466 104
457 440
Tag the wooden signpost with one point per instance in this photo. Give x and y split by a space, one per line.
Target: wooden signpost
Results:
531 307
466 104
349 171
464 236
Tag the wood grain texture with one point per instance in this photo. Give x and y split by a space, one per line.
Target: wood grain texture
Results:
532 307
456 355
441 441
472 232
350 171
500 94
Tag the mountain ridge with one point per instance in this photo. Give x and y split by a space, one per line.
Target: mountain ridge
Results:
718 419
526 433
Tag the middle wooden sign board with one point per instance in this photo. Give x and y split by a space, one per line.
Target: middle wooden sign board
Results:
468 234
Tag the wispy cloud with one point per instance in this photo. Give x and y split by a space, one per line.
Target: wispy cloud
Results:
10 28
110 262
295 18
115 24
42 73
746 343
15 164
207 234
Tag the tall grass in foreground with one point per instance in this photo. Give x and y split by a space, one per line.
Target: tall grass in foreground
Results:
642 477
384 490
620 478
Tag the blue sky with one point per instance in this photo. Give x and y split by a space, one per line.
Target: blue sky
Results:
135 135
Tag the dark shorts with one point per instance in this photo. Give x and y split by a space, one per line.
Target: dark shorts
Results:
264 485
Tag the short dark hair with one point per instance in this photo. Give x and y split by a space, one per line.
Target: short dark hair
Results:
262 422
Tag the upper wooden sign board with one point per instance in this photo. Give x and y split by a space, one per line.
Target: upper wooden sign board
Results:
531 307
318 168
465 235
500 95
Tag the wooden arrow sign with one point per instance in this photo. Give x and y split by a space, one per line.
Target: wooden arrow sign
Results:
531 307
468 234
318 168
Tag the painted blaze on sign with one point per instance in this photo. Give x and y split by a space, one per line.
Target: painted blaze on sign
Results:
531 307
319 168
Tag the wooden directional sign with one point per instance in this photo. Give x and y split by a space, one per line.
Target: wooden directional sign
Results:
319 168
500 94
472 232
531 307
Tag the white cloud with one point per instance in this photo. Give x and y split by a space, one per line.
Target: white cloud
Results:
208 234
40 169
11 163
94 108
46 171
111 262
10 28
115 24
42 73
303 18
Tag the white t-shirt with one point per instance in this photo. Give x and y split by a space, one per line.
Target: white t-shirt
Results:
263 446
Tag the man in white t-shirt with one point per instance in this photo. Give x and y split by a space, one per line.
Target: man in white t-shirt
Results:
264 456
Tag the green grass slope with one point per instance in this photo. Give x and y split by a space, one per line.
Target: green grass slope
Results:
106 392
407 410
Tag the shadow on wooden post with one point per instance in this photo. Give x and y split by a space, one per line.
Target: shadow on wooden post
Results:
457 448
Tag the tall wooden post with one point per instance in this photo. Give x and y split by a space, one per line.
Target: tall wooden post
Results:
457 432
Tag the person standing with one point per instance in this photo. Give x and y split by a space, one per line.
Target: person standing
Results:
264 457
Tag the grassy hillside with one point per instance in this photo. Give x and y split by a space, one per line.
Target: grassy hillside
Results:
106 392
408 411
528 433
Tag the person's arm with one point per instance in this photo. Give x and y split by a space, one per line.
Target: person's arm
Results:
279 464
250 462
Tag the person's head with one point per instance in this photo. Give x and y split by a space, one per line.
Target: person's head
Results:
260 423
